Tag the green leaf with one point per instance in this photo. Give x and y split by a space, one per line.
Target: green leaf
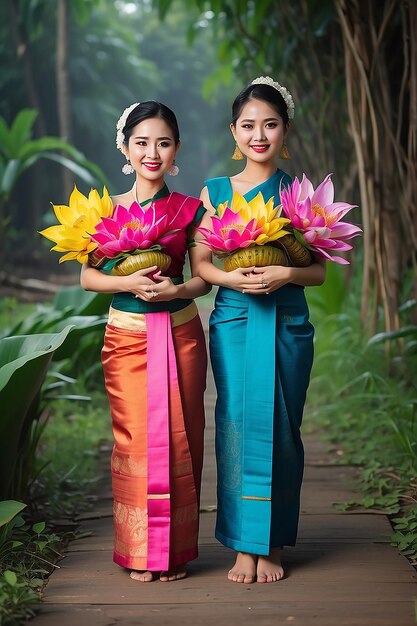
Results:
21 130
9 509
39 527
163 8
406 331
48 144
78 170
11 173
24 361
82 302
10 577
5 147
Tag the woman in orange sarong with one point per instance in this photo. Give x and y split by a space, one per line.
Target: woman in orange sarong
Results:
154 360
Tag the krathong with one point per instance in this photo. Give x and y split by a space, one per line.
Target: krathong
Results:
315 218
133 238
119 240
77 223
241 231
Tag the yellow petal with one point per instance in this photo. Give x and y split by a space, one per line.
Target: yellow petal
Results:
82 258
238 203
63 213
261 239
71 256
277 235
107 204
257 204
54 233
221 209
78 202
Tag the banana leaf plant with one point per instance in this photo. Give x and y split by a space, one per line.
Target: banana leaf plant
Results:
19 151
9 512
24 361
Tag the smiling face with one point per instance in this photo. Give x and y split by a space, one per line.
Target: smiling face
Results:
259 131
151 148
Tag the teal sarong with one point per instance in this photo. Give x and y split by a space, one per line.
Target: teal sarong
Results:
261 351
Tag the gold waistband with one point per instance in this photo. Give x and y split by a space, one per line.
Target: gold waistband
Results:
137 321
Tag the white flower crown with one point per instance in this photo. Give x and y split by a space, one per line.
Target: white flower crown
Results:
267 80
121 124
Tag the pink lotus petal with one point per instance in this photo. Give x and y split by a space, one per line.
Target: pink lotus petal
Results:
121 215
344 230
339 209
306 188
100 238
335 259
324 193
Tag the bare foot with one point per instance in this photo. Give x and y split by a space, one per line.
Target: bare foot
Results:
244 570
143 576
269 569
174 573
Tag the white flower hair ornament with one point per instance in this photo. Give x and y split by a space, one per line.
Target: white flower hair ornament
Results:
121 124
267 80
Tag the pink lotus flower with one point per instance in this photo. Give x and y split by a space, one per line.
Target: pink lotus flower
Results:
316 218
131 229
230 232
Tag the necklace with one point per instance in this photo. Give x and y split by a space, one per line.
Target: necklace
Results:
159 194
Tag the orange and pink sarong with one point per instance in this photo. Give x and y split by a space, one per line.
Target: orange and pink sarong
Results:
155 368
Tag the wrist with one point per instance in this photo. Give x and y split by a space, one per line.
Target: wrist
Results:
290 274
226 279
126 283
178 291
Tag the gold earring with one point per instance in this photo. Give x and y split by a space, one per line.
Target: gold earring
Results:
283 153
237 155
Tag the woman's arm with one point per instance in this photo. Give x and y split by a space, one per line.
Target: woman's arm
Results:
137 283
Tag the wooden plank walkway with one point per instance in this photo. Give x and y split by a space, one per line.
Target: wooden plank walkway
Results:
343 571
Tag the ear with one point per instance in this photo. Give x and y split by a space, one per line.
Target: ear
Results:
177 147
125 151
233 131
287 128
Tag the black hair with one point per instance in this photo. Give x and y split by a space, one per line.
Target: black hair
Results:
260 92
147 110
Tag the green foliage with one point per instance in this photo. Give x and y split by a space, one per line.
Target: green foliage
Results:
364 397
298 40
28 552
24 361
8 510
67 453
328 299
18 152
67 331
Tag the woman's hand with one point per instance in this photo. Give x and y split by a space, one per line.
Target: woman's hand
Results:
243 279
140 284
163 289
269 278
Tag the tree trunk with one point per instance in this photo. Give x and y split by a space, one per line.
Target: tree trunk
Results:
23 54
63 84
378 73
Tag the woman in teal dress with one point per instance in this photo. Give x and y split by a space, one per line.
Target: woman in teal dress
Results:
261 346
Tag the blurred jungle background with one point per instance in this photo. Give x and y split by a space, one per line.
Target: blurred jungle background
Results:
68 70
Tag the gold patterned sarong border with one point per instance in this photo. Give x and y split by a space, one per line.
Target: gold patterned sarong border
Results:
137 321
159 496
256 498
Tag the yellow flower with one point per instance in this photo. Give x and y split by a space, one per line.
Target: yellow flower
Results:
77 223
267 217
